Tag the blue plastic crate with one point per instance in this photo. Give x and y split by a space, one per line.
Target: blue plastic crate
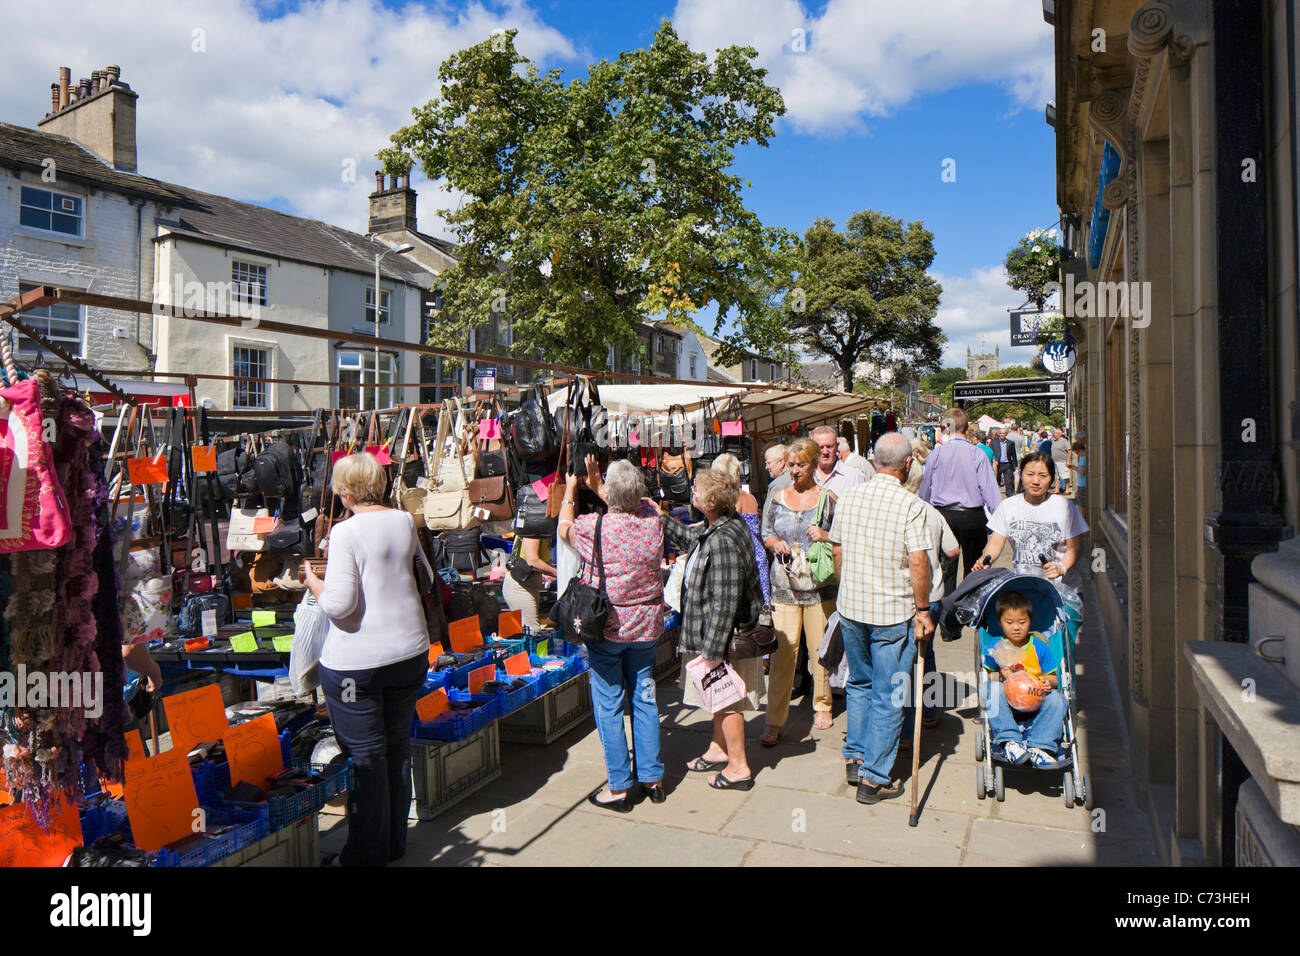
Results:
284 811
250 825
671 620
510 701
104 819
458 677
211 777
508 648
459 726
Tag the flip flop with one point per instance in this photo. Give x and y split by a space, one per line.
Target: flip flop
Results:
823 721
700 765
723 782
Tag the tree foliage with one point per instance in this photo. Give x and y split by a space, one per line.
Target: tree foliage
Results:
1033 263
941 383
592 205
864 295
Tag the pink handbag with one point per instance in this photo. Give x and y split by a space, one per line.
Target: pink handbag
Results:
35 512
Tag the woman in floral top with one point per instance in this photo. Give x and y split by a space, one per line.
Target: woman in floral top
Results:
632 550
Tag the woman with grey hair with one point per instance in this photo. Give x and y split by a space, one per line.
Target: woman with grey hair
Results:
632 552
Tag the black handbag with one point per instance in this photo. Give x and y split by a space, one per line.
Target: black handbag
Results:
709 444
582 610
491 462
465 549
675 472
738 445
530 515
530 429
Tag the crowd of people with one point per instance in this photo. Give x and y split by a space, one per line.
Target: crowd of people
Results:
875 541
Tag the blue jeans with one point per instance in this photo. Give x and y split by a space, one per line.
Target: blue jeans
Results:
1041 729
620 671
372 720
880 666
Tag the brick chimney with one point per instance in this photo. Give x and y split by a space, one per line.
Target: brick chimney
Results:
392 209
100 117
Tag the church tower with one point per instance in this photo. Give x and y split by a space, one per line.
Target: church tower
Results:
982 363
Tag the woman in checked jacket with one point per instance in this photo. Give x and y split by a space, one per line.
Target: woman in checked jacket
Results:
719 589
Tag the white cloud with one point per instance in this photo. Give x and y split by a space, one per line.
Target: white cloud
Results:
270 111
976 305
864 58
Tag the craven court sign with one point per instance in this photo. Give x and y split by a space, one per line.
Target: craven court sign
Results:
1045 394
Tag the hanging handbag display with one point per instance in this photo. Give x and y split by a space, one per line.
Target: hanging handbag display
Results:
530 430
465 550
708 443
408 495
241 534
492 496
582 610
731 426
447 505
492 460
34 512
675 471
530 515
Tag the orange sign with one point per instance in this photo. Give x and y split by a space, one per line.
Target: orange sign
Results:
254 751
195 716
160 799
265 524
480 676
518 665
204 458
24 843
431 705
147 471
197 643
434 650
510 623
464 635
135 747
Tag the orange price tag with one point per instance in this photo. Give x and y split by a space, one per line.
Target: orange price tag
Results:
204 458
135 747
24 843
265 525
510 623
195 716
197 643
254 751
147 471
464 635
434 650
431 705
517 665
160 799
480 676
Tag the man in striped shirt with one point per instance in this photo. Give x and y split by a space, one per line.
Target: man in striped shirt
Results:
880 541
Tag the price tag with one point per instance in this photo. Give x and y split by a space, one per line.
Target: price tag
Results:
263 618
243 643
210 622
283 643
197 643
308 515
204 458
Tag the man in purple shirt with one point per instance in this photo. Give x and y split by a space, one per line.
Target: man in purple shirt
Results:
960 483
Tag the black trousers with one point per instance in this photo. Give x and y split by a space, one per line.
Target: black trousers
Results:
1007 476
971 529
371 711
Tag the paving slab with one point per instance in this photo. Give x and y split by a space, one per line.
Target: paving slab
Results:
777 854
647 844
1002 843
691 804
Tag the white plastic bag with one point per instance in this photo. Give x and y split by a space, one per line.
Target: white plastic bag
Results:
310 629
673 589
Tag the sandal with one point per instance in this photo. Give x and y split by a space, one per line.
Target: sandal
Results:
822 720
771 736
700 765
722 782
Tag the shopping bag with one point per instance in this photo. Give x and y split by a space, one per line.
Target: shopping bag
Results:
34 513
310 628
719 686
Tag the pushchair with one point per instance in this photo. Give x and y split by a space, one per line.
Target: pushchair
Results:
1056 614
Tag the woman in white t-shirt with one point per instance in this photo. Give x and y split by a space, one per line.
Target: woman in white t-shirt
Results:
1045 529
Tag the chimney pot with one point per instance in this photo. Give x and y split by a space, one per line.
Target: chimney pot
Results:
406 180
65 78
379 181
83 88
111 73
54 97
95 79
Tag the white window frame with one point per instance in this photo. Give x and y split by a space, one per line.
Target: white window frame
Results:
267 388
57 198
243 290
364 358
692 365
34 318
385 305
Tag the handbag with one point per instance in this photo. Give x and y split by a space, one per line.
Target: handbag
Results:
34 511
708 445
798 570
518 568
407 493
582 610
446 504
753 640
731 427
530 515
675 472
311 627
240 535
492 451
465 549
820 554
492 495
530 430
190 621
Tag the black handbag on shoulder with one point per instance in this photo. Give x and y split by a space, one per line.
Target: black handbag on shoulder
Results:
582 610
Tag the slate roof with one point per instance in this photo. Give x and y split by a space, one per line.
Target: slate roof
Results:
207 217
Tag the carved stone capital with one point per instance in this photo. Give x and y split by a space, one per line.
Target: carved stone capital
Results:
1150 29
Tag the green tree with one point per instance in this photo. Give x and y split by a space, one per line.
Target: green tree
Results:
593 205
864 295
941 382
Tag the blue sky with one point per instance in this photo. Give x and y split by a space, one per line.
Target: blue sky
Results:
285 104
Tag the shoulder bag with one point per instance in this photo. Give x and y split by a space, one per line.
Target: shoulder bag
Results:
708 445
447 504
582 610
820 556
675 471
530 430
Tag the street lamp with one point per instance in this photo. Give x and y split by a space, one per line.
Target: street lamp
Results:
400 250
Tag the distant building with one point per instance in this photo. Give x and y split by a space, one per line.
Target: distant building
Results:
981 365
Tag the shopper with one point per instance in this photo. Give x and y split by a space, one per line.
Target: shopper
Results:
718 593
1078 465
774 459
375 658
747 508
853 459
1005 456
1045 530
881 539
622 666
799 607
523 596
1061 458
960 483
832 474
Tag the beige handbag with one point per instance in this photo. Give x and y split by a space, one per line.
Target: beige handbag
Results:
447 505
240 535
406 497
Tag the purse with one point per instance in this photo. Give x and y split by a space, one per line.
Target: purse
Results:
731 427
708 446
675 471
465 550
446 504
753 640
582 610
530 430
798 570
240 535
530 515
492 452
820 554
34 512
493 496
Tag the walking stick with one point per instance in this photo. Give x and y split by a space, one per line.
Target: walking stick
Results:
916 722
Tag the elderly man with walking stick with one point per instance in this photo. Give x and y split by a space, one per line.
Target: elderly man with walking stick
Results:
880 541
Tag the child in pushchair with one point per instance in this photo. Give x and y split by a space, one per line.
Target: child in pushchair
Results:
1021 696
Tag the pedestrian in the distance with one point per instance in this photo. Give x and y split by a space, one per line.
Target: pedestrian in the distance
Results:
1061 458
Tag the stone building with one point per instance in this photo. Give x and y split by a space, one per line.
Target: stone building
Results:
982 364
1177 179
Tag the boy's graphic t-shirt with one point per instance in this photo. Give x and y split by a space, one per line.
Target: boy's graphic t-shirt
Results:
1035 656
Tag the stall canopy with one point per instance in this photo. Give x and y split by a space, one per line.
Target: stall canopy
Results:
769 412
987 422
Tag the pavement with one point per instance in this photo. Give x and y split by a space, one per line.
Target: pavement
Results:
801 812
